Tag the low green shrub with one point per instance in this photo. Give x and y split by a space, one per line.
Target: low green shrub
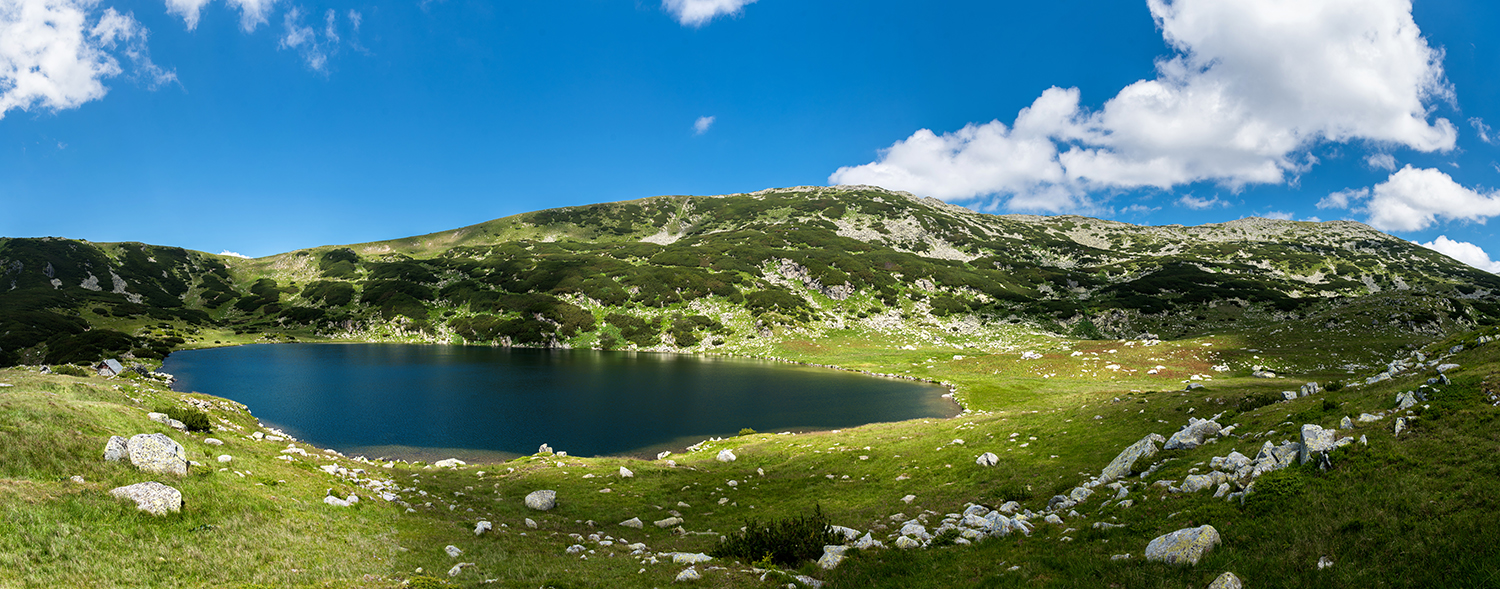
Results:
71 370
195 420
747 431
787 542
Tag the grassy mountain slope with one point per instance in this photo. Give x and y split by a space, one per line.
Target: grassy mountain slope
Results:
736 273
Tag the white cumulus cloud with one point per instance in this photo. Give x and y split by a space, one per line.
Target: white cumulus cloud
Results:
56 54
1251 86
701 125
189 10
1465 252
1414 199
696 13
253 13
233 254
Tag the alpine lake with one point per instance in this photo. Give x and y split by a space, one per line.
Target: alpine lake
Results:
428 402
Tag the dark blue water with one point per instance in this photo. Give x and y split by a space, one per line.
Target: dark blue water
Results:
421 400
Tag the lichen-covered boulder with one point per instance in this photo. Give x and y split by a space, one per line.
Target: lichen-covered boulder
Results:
1193 435
1316 442
1121 465
1183 546
157 453
1227 581
116 449
151 497
987 459
542 500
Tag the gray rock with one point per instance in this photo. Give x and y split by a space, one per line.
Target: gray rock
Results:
449 463
213 441
1400 425
1125 461
542 500
690 557
690 574
1197 482
633 522
1053 519
530 523
667 523
1405 401
832 556
157 453
626 473
1079 494
1183 546
987 459
1227 581
1346 423
915 529
849 534
224 458
1443 368
453 551
906 542
482 527
1288 395
151 497
116 449
1193 435
544 449
726 456
1367 418
459 568
1311 388
1316 442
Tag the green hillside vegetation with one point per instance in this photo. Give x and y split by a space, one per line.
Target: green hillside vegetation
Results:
1065 339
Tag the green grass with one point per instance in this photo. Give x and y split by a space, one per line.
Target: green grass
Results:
1406 512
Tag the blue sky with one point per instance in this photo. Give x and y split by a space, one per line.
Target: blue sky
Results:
261 126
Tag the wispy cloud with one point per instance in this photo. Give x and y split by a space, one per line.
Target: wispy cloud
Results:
1201 204
1381 161
696 13
701 125
1486 134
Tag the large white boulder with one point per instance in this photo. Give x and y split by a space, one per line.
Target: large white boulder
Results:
151 497
157 453
542 500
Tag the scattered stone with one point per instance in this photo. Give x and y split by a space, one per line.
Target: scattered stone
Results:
1405 401
726 456
633 522
116 449
213 441
1227 581
453 551
1324 562
1316 442
1346 423
1367 418
832 556
1443 368
1289 395
690 574
1183 546
459 568
576 548
1125 556
530 523
669 522
988 459
77 479
1262 373
1193 435
906 542
151 497
1122 464
449 463
690 557
1400 425
1028 355
544 449
1053 519
542 500
482 527
157 453
626 473
1311 388
908 499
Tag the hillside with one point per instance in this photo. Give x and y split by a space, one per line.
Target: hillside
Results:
729 273
1067 340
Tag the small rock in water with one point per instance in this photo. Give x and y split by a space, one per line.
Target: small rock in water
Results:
542 500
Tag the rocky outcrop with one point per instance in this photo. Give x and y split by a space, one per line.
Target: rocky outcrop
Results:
1193 435
1122 464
